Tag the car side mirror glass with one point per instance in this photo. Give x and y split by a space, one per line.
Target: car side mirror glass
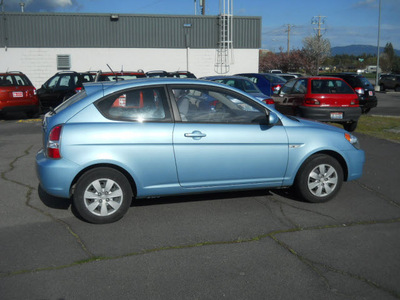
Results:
273 118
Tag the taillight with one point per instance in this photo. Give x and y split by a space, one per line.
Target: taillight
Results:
78 89
355 102
276 87
359 90
311 102
53 145
268 101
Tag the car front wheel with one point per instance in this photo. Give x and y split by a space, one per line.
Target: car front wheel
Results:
319 179
102 195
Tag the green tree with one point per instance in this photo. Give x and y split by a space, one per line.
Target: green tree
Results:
388 58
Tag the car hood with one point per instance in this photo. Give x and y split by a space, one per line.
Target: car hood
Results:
288 120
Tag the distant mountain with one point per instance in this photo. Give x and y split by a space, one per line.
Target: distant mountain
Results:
358 50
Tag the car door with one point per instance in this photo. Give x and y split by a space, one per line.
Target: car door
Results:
293 97
46 92
221 140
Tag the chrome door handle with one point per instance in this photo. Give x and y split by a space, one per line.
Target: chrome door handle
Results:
196 135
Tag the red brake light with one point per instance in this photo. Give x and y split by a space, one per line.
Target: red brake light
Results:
53 145
359 90
311 102
78 89
268 101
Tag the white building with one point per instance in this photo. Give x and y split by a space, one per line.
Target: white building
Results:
39 44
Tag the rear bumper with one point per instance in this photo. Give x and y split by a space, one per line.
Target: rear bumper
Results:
369 102
331 114
19 108
55 176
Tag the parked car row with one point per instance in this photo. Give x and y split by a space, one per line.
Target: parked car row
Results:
64 84
262 86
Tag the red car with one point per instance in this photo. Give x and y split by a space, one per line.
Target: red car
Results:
326 99
17 94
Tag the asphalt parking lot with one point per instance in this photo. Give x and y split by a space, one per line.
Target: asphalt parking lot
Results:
248 245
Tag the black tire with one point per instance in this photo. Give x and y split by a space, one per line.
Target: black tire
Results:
367 110
319 179
397 89
33 113
382 88
102 195
350 126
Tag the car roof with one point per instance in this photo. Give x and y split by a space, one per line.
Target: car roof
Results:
122 73
225 77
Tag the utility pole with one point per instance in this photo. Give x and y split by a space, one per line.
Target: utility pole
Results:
203 7
318 20
288 37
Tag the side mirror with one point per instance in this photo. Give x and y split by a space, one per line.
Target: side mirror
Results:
273 118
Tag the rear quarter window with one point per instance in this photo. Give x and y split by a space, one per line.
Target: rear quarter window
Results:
146 104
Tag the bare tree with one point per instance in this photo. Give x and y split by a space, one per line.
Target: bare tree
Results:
316 49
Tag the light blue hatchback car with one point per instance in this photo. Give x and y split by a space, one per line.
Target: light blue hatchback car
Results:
117 141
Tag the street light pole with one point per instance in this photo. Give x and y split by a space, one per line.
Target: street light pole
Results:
377 87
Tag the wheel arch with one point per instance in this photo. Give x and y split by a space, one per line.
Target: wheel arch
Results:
336 156
106 165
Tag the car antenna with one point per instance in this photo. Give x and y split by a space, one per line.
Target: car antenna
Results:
116 76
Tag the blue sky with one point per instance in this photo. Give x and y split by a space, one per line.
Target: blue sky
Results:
346 22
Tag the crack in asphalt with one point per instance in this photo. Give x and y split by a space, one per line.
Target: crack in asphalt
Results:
28 197
313 265
378 194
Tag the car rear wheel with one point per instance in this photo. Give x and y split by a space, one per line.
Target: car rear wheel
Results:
319 179
102 195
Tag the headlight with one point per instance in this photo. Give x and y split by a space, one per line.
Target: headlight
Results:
352 140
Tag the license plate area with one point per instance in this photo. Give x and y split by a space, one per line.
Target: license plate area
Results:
371 93
18 94
336 115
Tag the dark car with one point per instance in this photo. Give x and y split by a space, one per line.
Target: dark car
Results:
61 86
182 74
326 99
269 84
157 74
244 84
362 87
391 81
17 94
117 76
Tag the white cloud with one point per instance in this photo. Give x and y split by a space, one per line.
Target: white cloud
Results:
40 5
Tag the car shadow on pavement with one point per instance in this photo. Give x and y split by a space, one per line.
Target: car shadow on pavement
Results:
199 197
52 201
